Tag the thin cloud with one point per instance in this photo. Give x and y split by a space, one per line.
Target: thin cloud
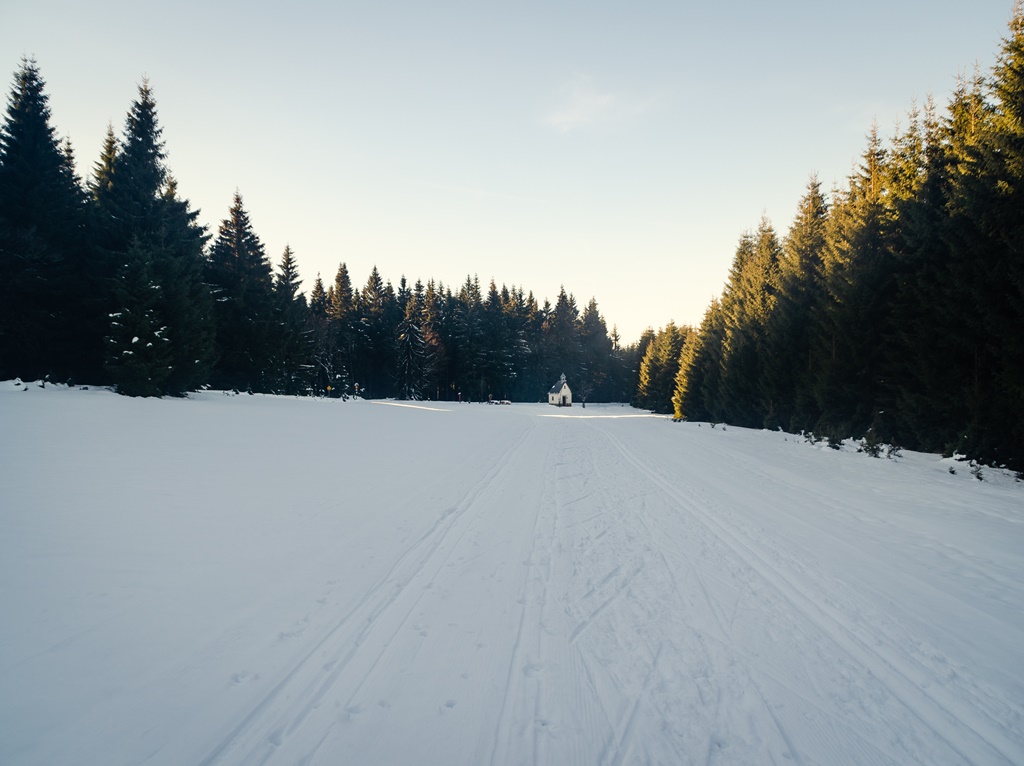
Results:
582 104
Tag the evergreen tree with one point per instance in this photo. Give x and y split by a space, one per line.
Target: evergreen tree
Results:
852 325
103 170
249 338
597 356
50 322
323 339
287 280
318 299
660 367
411 353
788 369
294 368
435 318
747 304
698 380
528 320
376 328
469 348
516 318
503 347
138 356
992 200
188 308
342 312
139 207
562 347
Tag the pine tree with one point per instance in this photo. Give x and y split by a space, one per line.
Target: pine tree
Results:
241 280
994 199
698 380
324 342
187 307
293 374
139 207
503 346
660 367
788 371
103 170
562 349
468 348
852 325
138 356
287 280
411 353
49 320
435 319
374 363
597 356
318 299
747 304
342 312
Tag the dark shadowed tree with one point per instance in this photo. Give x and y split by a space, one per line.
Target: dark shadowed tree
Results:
139 207
249 335
51 319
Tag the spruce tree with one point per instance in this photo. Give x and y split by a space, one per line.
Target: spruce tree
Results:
698 380
374 366
435 319
562 348
411 352
597 355
342 312
103 170
318 298
748 303
293 373
323 339
138 356
852 325
50 321
660 367
993 199
503 346
241 280
139 206
468 348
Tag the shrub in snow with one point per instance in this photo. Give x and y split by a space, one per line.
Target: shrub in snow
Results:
871 444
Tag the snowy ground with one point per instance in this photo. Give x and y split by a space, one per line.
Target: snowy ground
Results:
250 580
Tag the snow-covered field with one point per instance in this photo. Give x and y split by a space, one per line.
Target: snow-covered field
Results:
248 580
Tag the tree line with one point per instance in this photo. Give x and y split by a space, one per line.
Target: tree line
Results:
113 281
893 308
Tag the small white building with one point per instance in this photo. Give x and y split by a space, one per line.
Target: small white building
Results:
560 395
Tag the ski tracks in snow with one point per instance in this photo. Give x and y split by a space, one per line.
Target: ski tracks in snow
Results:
555 591
585 682
349 650
617 615
861 690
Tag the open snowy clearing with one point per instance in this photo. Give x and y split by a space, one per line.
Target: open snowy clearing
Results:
261 580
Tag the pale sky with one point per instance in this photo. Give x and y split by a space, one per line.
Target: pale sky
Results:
618 149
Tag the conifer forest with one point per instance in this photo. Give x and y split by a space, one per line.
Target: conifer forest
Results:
891 310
